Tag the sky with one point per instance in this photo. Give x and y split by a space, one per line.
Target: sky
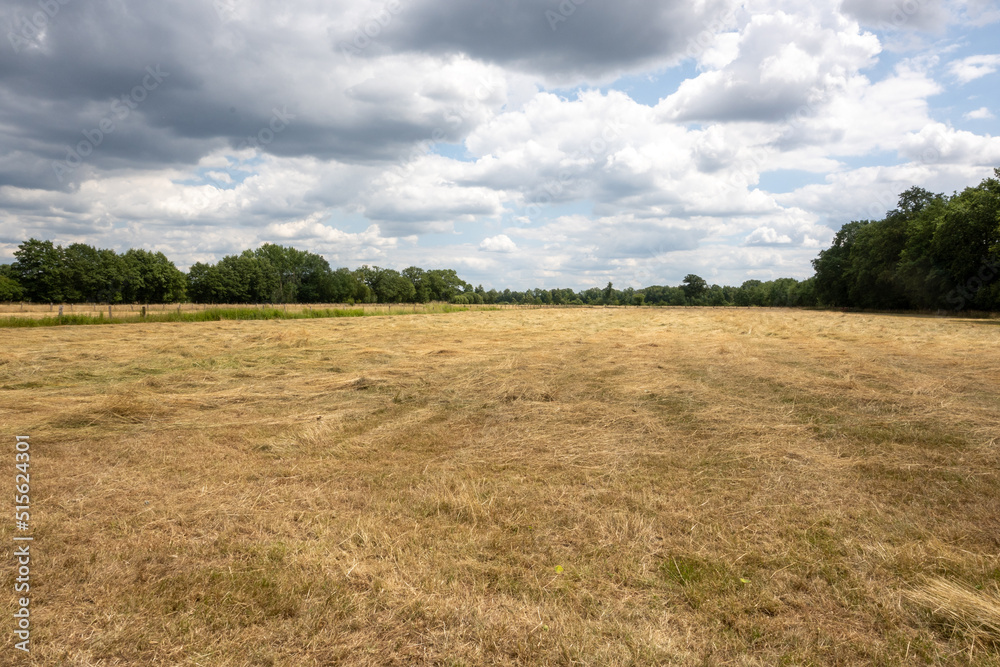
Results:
524 143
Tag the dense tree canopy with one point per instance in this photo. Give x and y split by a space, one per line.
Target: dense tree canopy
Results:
47 273
930 252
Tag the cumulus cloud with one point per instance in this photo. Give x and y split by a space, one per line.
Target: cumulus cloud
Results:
498 243
784 62
766 236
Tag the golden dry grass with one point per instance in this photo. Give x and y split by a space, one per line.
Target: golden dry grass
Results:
976 611
587 486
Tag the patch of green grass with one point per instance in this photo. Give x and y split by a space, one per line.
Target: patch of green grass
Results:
690 570
219 314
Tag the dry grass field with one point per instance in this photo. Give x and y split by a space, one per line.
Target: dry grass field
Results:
575 487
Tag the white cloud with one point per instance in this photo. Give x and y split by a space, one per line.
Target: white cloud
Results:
974 67
499 243
978 12
786 60
766 236
982 113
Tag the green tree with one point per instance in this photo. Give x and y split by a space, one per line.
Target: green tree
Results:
282 265
347 287
694 287
421 287
833 287
750 293
10 289
442 284
205 284
388 285
916 273
872 273
315 279
715 296
40 270
152 278
964 250
608 295
82 273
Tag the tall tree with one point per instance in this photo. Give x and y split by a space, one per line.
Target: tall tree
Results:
694 287
40 270
152 278
10 289
832 267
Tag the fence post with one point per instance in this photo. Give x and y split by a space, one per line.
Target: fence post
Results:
109 311
60 310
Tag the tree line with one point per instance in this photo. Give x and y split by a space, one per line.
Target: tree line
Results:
47 273
930 252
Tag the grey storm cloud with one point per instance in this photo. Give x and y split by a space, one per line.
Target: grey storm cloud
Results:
561 39
84 63
81 83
